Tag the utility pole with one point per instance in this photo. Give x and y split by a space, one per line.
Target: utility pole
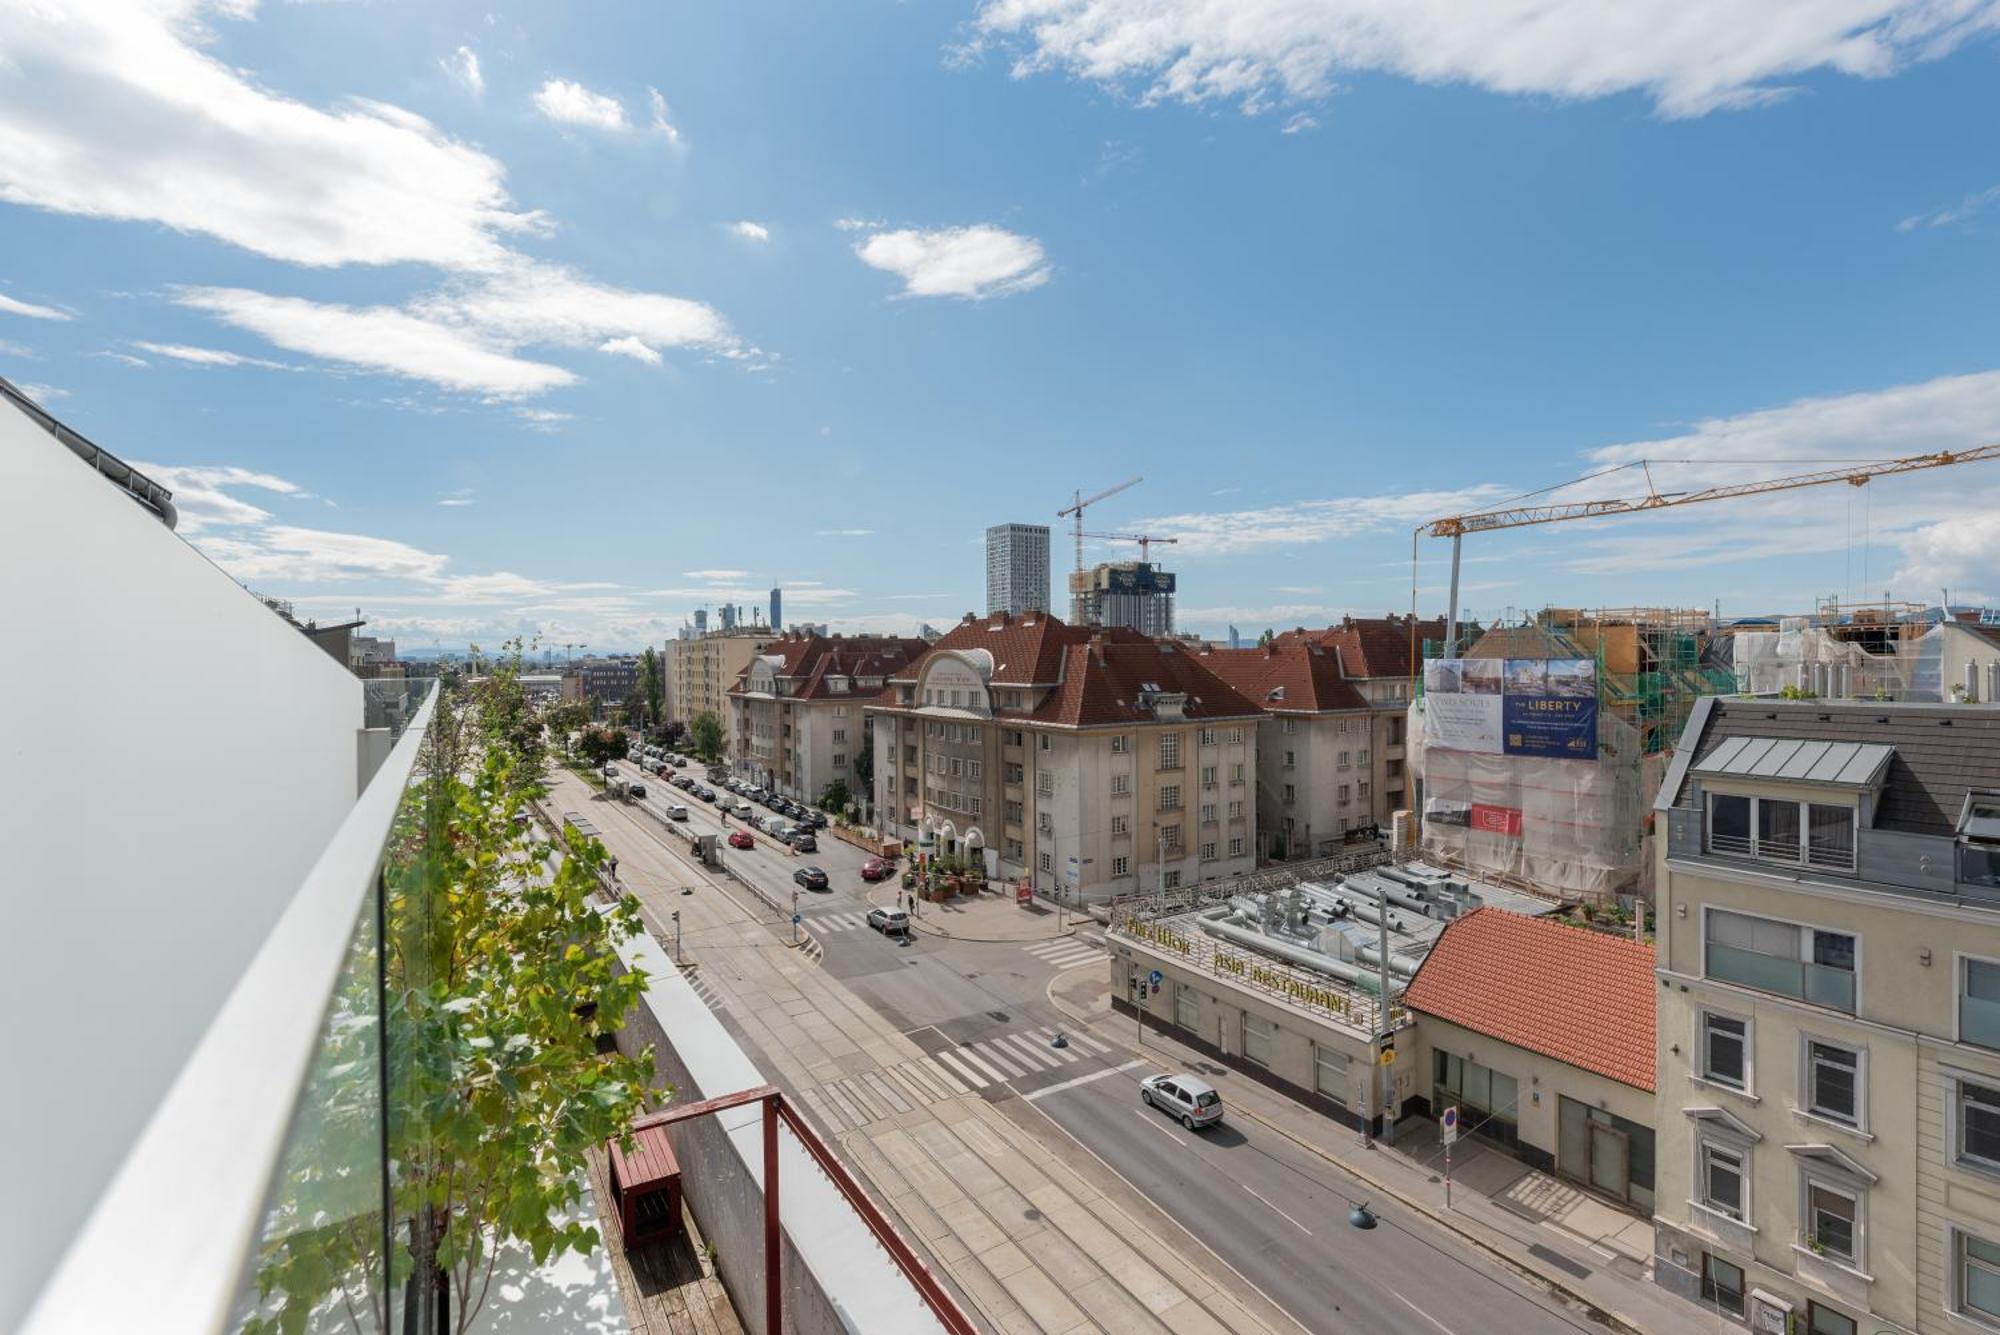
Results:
1386 1072
795 917
677 937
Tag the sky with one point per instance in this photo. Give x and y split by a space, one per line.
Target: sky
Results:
560 321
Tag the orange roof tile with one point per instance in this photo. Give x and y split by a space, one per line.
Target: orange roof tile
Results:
1582 997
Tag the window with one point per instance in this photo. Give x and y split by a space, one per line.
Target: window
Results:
1235 735
1170 881
1011 736
1343 794
839 760
1822 1320
1044 739
1120 866
1044 822
1046 861
1361 790
1012 811
1013 850
973 769
957 767
1979 1003
1208 851
1184 1003
1291 760
1208 737
1236 847
1121 784
1236 810
1256 1039
1291 794
1978 1125
1170 837
1804 962
1330 1073
1833 1082
1170 797
1208 813
1484 1097
1208 776
1722 1284
1343 760
1120 744
840 734
1833 1221
1771 829
1725 1050
1170 750
1721 1186
1976 1277
1045 783
1236 774
1013 773
1291 725
1361 757
1121 825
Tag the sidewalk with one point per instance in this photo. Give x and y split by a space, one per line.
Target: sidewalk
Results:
1029 1237
1535 1223
991 916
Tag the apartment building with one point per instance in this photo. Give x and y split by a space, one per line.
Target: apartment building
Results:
1090 762
1017 568
700 671
796 709
1829 1023
1317 781
1378 657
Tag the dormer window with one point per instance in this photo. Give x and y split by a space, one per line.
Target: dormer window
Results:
1791 831
1979 840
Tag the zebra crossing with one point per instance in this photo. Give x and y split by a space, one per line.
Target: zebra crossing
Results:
871 1096
1066 952
835 922
709 996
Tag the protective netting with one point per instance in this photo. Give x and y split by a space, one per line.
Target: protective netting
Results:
1809 659
1566 827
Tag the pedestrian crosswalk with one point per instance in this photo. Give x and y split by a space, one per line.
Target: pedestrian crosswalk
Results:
709 996
871 1096
1066 952
836 922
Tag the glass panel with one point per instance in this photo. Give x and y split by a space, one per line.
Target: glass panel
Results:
1722 1284
1979 1122
1728 824
1725 1182
1979 1275
1478 1086
1607 1160
1830 841
1724 1049
1572 1138
1832 1074
1778 830
1766 973
1826 1321
1504 1096
1830 987
1831 1218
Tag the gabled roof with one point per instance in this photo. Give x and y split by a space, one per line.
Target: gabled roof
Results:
1027 648
1374 646
1287 676
1112 678
809 659
1582 997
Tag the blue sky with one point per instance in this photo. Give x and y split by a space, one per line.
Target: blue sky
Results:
564 320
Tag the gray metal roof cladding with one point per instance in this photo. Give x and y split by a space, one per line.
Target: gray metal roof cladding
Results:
1939 753
1851 764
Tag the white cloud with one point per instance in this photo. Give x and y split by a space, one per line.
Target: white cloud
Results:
202 493
1298 123
1689 57
844 533
1960 554
380 338
976 262
570 103
122 358
1963 211
751 231
1299 522
12 349
661 124
110 110
858 224
534 303
634 348
42 394
28 308
463 65
718 576
182 352
457 499
542 419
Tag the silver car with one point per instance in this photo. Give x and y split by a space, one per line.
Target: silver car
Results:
1188 1098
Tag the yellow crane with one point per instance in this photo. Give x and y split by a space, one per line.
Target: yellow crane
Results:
1080 504
1856 473
1145 541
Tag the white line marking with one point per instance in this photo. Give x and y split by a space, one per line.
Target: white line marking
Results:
964 1068
992 1068
1281 1214
943 1078
1089 1042
1036 1057
1421 1312
1152 1119
1099 1075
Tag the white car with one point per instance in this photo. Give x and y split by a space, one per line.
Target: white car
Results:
677 812
1188 1098
889 922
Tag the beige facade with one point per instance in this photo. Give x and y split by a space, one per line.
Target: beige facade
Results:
795 746
700 672
1829 1029
1320 777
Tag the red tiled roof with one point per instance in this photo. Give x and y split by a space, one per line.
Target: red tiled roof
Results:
1104 680
1373 646
1027 648
1582 997
809 659
1286 676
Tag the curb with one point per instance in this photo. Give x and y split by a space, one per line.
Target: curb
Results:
1597 1311
922 925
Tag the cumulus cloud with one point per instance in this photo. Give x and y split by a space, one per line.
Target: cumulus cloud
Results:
463 65
972 262
570 103
634 348
1690 57
751 231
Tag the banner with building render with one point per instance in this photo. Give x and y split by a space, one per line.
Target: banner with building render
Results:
1516 706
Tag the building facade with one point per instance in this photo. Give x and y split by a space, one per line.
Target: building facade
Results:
1138 595
1090 763
700 672
1829 1023
608 681
797 709
777 609
1017 568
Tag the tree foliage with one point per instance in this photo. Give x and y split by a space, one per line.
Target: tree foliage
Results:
835 797
653 685
601 745
705 729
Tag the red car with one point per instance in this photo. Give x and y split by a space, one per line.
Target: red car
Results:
875 869
741 839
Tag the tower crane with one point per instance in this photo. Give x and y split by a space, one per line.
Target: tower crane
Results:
1145 541
1080 504
1856 473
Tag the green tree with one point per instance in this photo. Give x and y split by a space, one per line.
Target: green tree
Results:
864 761
507 719
600 746
835 797
568 716
653 685
706 730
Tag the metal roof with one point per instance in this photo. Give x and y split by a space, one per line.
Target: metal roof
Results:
1848 764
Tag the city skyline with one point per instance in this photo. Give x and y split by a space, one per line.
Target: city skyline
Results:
529 258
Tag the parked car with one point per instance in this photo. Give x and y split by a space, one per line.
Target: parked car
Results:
889 922
705 793
678 762
635 790
802 840
812 878
1189 1098
741 839
875 869
774 826
818 819
677 812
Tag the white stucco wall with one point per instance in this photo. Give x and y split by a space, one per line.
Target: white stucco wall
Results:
173 757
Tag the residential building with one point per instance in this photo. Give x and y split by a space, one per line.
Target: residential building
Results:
1090 762
1379 656
606 682
1138 595
368 651
1541 1035
797 709
1017 568
1829 1015
701 670
1317 784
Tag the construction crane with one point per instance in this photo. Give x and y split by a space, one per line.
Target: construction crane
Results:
1079 505
1145 541
1857 473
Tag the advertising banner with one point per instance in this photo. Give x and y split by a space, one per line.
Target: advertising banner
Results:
1496 820
1544 707
1461 722
1444 811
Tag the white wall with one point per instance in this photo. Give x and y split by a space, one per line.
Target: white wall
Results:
173 757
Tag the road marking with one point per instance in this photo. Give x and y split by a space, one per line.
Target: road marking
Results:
964 1068
832 1120
939 1076
1281 1214
992 1063
1086 1079
885 1089
1152 1119
1421 1312
1024 1052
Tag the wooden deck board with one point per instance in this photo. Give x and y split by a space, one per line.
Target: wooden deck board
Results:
668 1287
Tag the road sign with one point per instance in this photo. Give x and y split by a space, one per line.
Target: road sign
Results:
1448 1126
795 920
1154 978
